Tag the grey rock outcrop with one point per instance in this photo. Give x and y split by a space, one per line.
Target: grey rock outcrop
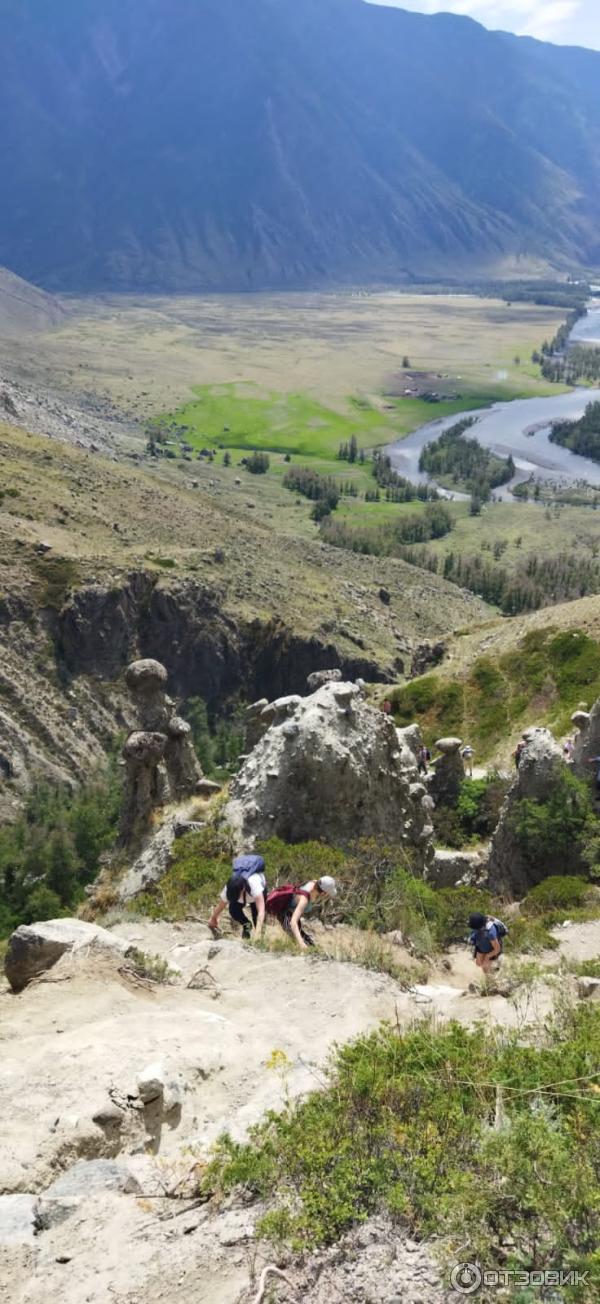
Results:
17 1219
34 948
255 725
448 772
587 739
89 1176
144 787
509 872
332 767
457 869
320 677
160 760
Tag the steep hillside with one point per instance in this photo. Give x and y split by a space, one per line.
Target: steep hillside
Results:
246 143
100 562
25 308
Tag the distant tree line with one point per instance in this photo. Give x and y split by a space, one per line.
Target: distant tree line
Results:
466 462
53 850
388 540
398 489
581 436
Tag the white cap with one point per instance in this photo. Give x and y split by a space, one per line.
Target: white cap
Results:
327 885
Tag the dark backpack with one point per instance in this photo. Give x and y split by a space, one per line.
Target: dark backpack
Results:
243 869
279 900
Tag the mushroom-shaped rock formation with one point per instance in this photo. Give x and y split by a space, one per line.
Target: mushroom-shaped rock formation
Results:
146 681
183 768
331 767
145 783
509 870
448 773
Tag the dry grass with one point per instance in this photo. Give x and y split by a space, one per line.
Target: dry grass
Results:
146 354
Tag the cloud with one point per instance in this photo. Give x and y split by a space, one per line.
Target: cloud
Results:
563 21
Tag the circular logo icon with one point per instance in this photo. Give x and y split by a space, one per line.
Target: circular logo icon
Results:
466 1278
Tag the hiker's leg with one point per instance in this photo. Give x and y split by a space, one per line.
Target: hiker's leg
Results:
213 922
480 960
238 914
285 919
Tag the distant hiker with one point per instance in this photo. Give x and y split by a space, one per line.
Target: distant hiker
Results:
387 707
423 760
287 905
569 751
246 886
519 749
467 754
487 935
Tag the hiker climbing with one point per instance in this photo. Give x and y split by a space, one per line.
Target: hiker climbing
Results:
288 904
486 939
518 752
246 886
423 760
467 754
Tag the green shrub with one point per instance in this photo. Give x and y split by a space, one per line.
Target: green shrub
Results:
405 1124
200 865
554 833
530 936
53 850
556 893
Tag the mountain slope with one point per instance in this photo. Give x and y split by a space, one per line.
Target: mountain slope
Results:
24 307
248 143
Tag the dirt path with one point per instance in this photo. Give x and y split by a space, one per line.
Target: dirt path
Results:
86 1031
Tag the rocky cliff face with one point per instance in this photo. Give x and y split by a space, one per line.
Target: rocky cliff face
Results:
509 871
62 696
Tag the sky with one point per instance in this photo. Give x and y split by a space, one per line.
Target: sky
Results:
566 22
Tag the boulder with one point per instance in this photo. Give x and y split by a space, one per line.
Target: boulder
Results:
17 1219
330 766
510 873
588 989
88 1177
34 948
207 788
320 677
151 1083
457 869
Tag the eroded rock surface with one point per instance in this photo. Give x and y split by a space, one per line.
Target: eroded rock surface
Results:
329 766
510 872
34 948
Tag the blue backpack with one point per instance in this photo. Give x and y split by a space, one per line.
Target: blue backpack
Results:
482 935
243 869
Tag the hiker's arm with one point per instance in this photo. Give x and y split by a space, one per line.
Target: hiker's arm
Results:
295 923
496 948
261 912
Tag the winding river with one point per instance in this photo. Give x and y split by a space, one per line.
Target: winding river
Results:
520 427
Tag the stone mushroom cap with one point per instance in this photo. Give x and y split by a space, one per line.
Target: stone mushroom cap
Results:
145 748
448 745
145 676
581 719
179 728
